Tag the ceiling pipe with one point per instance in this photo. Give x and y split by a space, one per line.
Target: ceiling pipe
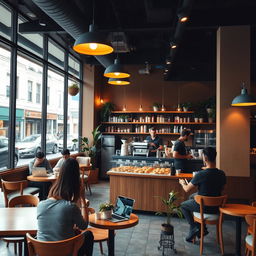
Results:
71 20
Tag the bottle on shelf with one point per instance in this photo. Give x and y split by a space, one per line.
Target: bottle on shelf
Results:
172 169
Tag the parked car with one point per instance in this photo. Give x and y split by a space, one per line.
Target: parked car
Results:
4 153
70 144
32 144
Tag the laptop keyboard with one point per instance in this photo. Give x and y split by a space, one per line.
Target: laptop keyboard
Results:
118 217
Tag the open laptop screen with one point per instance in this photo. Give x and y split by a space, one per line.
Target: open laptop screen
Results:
124 206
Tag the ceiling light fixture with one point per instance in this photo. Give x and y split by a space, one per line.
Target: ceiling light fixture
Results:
173 45
92 42
119 81
244 99
182 17
116 70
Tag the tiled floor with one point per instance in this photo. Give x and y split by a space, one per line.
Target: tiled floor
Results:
143 240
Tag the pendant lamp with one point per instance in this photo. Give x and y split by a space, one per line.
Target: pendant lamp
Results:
92 43
118 81
116 70
244 99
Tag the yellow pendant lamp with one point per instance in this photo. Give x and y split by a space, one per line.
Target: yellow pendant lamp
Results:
118 81
92 43
116 70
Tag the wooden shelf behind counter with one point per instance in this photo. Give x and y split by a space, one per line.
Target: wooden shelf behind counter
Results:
146 189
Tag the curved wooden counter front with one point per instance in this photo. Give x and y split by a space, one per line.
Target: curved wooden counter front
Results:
147 188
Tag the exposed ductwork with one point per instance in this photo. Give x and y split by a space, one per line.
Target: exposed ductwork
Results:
69 18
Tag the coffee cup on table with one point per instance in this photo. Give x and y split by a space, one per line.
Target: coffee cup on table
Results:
98 215
178 171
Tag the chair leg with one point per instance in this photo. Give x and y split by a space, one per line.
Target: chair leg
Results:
221 234
15 247
7 244
101 248
89 189
202 239
217 233
20 248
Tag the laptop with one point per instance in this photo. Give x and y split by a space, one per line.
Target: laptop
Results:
39 172
123 209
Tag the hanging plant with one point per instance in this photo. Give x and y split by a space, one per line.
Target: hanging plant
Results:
73 89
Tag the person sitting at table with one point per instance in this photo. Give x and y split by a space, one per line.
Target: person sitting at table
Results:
210 182
40 161
59 217
65 155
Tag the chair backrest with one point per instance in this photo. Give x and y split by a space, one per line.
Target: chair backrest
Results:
254 204
23 200
210 201
83 160
13 186
66 247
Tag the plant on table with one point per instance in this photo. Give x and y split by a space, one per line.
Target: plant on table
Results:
106 210
172 208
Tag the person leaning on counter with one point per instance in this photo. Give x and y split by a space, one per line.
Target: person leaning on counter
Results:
180 154
154 141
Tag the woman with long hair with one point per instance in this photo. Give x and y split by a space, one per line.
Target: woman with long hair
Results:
59 217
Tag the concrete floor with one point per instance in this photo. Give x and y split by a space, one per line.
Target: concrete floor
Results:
143 239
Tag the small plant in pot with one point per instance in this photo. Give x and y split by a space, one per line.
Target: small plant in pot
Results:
212 116
73 89
106 210
156 106
171 209
186 106
106 110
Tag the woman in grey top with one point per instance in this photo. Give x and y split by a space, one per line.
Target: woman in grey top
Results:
59 217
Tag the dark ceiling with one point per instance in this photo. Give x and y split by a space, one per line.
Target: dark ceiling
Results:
148 27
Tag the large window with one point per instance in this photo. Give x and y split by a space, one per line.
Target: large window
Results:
5 57
28 126
55 113
30 87
5 21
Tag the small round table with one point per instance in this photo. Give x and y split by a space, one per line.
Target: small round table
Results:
112 226
239 211
51 178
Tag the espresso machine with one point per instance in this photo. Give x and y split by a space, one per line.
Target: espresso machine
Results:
140 148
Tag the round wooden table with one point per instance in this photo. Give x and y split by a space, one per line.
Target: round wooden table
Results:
112 226
51 178
239 211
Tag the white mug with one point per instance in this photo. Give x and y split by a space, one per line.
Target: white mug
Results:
178 171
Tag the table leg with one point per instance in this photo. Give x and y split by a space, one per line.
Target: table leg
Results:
238 235
111 242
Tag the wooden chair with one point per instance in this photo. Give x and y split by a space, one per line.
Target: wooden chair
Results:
12 189
249 230
85 176
250 239
66 247
100 235
24 200
211 219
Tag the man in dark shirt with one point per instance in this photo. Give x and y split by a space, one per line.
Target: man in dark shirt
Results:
155 142
210 182
180 154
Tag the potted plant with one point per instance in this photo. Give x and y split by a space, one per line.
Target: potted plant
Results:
73 89
106 210
171 209
210 105
186 106
106 110
212 115
156 106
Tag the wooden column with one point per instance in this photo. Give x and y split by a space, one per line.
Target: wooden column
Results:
233 123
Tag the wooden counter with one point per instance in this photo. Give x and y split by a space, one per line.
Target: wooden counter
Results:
146 189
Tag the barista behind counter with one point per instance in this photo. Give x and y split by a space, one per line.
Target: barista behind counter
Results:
180 153
154 141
